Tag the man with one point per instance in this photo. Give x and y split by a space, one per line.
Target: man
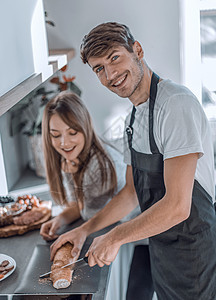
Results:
170 170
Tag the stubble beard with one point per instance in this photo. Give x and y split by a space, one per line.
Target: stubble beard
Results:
139 77
138 74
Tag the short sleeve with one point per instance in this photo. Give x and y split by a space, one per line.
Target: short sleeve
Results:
180 126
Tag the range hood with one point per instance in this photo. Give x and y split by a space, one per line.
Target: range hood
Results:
26 60
56 59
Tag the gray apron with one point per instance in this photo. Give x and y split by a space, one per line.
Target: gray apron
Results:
183 258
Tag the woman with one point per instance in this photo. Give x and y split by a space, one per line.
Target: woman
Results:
81 171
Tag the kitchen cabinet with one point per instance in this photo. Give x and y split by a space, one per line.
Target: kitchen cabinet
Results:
26 63
57 59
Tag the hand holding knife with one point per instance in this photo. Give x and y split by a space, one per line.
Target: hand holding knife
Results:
82 262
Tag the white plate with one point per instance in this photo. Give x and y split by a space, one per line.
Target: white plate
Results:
12 263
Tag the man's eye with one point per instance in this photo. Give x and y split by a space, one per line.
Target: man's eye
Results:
115 57
99 69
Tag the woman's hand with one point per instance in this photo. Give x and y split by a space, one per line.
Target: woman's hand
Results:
70 166
48 230
102 251
76 237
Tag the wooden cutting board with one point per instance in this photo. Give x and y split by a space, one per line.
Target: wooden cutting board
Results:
13 229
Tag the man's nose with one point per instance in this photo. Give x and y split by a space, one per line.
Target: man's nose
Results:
110 72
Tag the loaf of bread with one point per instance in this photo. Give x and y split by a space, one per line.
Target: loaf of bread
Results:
61 278
29 217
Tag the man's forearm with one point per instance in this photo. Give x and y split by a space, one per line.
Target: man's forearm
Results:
171 210
158 218
120 206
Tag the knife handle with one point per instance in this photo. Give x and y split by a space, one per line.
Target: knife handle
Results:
86 259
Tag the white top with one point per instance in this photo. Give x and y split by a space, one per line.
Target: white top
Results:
180 127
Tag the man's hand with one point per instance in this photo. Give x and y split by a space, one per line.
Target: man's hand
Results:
102 251
76 237
48 230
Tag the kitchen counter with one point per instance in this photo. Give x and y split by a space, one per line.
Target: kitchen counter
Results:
22 249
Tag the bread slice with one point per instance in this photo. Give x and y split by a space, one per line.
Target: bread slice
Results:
61 278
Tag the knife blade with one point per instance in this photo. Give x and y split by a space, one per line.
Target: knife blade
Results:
82 262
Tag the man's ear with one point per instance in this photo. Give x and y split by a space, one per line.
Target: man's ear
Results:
138 50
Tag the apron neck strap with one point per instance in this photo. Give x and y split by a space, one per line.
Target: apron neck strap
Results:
153 93
129 129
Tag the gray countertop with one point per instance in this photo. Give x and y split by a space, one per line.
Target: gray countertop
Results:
21 248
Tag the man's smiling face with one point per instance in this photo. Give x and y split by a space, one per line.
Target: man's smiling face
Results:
119 70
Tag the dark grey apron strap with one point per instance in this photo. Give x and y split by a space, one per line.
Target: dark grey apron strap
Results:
153 93
129 129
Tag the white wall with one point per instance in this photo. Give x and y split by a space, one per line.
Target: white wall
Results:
157 24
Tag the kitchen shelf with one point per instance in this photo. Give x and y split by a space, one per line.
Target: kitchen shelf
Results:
16 94
57 58
208 13
30 183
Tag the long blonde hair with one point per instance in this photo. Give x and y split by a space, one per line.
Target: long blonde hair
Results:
74 113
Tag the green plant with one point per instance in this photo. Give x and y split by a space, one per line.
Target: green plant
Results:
26 116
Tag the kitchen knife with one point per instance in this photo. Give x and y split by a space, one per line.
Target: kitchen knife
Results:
82 262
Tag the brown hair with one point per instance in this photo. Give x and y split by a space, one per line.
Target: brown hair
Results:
103 37
74 113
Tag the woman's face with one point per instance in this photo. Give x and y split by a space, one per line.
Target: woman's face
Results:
68 142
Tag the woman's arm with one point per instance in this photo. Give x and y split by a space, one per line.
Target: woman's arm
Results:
120 205
68 215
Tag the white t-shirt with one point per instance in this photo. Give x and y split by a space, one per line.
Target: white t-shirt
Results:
180 127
